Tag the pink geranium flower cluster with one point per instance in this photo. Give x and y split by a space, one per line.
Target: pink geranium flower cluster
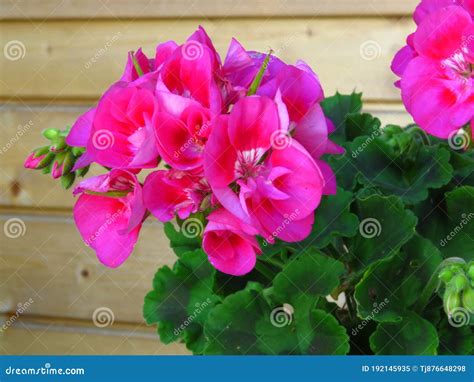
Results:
235 142
436 66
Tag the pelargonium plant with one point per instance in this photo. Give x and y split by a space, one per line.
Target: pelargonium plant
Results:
300 225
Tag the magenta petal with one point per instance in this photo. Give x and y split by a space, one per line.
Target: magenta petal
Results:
440 34
81 130
100 220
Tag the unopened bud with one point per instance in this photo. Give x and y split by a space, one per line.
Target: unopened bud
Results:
51 134
67 180
468 300
445 275
68 163
460 282
452 301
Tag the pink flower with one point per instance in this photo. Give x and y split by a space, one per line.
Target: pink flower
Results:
181 139
170 193
229 248
122 134
437 84
272 183
109 214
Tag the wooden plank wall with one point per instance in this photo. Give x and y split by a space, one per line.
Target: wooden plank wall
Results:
69 51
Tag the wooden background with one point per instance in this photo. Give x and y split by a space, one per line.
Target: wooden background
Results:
73 49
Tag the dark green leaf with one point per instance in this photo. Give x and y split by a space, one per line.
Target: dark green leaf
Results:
230 326
337 107
179 242
391 286
455 341
385 226
411 336
333 219
181 299
381 165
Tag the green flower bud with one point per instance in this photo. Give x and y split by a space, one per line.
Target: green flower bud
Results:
460 282
68 163
468 300
59 144
445 275
51 134
68 180
82 171
78 151
46 161
470 271
452 301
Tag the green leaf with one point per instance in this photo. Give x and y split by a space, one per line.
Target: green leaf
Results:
333 219
181 299
455 341
384 163
230 326
391 286
411 336
362 125
324 336
337 107
385 226
448 221
179 242
310 274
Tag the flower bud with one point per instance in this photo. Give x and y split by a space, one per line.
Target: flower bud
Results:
445 275
46 161
460 282
59 144
67 180
470 271
32 161
56 170
51 134
452 301
468 300
68 163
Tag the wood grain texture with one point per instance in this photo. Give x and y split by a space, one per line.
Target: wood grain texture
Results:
80 59
20 127
51 264
33 336
85 9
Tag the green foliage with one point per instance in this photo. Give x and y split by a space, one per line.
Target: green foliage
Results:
404 204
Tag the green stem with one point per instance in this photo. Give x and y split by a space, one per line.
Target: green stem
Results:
433 283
